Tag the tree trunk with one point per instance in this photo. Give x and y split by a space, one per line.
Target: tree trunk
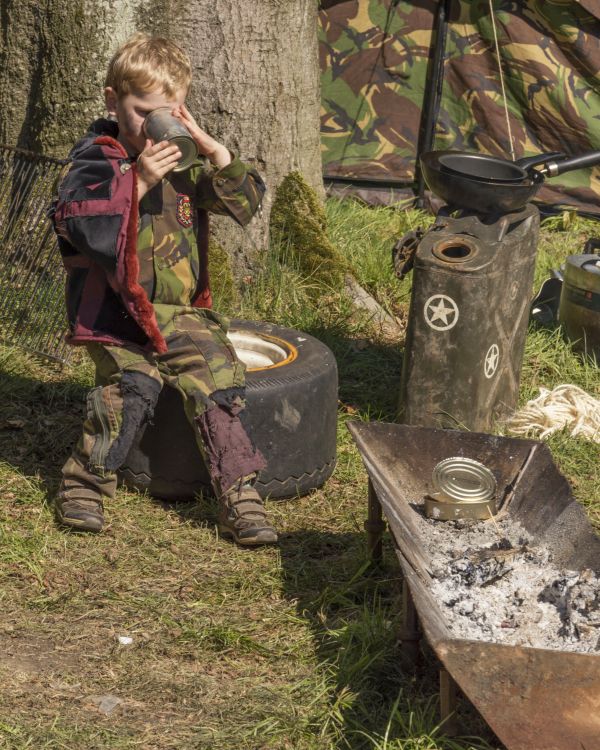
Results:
53 58
255 85
256 88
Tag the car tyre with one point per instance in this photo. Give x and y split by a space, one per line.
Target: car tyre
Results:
291 410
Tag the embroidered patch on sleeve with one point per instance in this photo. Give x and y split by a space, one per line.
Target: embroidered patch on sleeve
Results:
184 210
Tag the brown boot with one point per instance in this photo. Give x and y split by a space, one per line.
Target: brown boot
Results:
242 517
79 504
79 509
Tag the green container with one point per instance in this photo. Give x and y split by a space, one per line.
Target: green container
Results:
579 311
472 282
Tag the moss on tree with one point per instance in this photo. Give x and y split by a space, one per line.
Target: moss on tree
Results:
50 74
299 227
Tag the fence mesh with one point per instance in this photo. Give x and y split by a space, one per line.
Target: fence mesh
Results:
32 279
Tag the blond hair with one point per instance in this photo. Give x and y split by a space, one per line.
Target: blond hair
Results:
146 63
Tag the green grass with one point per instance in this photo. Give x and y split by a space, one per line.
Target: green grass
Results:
293 648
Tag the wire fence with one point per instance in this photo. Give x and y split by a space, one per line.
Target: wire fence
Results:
32 278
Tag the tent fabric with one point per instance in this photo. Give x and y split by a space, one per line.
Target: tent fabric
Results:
374 62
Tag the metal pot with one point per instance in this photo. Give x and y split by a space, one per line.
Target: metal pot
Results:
161 125
490 185
579 311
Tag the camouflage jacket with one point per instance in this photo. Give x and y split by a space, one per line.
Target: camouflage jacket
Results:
120 257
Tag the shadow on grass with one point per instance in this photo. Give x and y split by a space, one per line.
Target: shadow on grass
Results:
369 372
355 612
40 423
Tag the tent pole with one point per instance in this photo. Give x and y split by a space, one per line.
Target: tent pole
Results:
433 93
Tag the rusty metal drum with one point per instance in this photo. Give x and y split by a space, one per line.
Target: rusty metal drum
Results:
160 125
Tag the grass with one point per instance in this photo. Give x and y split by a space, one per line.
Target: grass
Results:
293 648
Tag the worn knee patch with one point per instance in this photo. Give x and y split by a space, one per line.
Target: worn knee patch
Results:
140 393
230 452
231 399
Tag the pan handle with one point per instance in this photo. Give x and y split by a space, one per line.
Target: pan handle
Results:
534 161
554 168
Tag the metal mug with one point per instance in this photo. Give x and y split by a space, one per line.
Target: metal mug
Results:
161 125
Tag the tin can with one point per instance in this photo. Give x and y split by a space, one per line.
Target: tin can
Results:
463 488
160 125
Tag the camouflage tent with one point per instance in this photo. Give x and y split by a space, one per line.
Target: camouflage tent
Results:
518 78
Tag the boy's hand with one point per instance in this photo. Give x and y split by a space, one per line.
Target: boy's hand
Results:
154 163
207 146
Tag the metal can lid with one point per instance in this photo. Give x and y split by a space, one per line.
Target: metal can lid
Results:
189 152
464 480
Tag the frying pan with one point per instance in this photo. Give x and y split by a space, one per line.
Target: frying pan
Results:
488 184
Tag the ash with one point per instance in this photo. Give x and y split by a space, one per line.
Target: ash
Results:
493 584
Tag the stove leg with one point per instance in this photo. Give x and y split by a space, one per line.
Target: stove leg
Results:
410 633
374 526
448 704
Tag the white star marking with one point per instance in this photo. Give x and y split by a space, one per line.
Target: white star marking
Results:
492 359
440 308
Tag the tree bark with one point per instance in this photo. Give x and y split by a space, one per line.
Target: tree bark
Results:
255 85
256 88
53 58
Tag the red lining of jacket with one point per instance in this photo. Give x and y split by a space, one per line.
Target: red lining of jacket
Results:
203 296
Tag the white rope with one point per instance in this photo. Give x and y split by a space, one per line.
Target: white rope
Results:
567 406
510 137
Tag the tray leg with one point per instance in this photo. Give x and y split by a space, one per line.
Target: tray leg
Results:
448 704
410 632
374 526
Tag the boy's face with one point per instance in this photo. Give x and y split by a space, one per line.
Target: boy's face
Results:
131 110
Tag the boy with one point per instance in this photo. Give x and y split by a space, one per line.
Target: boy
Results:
133 235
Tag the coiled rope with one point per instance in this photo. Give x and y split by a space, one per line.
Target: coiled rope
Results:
567 406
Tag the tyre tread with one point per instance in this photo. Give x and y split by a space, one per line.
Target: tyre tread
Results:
274 487
305 482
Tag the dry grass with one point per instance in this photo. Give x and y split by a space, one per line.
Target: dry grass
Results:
292 648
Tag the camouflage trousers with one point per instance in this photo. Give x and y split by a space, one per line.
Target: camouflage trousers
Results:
202 365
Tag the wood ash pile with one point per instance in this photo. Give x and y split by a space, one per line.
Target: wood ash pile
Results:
494 584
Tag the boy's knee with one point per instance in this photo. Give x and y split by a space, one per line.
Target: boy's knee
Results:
232 400
140 393
230 451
